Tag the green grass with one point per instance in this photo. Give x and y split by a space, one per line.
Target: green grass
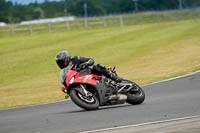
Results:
142 53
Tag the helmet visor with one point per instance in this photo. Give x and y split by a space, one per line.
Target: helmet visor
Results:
61 64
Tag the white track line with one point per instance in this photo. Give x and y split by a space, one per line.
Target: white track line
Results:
155 122
186 75
141 124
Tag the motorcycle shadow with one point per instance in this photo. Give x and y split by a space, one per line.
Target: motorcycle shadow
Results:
102 108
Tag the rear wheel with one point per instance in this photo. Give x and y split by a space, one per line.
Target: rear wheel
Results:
135 95
89 102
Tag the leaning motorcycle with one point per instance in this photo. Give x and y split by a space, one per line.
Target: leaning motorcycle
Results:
89 91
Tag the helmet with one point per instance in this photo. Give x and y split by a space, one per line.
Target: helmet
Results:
62 59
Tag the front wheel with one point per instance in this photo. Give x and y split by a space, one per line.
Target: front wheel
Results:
86 102
135 95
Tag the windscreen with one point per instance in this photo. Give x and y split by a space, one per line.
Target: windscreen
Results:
63 74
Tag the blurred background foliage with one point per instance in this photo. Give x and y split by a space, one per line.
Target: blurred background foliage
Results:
14 12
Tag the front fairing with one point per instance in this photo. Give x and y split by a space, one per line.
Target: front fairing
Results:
69 77
67 74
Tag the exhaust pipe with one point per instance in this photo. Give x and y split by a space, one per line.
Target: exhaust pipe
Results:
121 99
118 99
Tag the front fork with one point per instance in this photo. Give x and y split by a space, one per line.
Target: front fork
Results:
83 91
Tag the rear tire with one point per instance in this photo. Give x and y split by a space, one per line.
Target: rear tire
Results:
78 99
136 97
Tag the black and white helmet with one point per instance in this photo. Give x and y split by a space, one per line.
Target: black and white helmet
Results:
63 59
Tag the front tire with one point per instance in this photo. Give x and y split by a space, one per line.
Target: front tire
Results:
136 95
91 103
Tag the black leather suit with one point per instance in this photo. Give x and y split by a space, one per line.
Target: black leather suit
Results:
99 69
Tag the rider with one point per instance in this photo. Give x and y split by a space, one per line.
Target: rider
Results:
63 59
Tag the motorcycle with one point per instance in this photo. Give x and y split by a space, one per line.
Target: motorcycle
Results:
89 91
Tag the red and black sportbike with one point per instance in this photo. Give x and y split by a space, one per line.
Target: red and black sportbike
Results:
89 91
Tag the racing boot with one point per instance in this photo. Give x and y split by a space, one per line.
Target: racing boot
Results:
102 69
115 78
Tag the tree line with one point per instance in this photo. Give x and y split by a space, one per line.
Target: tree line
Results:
14 12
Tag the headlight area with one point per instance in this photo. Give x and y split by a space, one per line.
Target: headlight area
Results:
71 80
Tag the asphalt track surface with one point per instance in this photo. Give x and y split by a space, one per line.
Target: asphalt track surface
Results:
165 100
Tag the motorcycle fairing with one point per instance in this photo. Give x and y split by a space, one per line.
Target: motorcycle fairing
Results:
104 91
86 79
